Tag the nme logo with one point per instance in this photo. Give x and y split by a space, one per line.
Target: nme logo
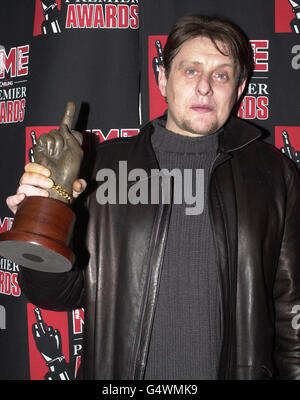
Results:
91 137
287 139
98 136
6 224
287 16
9 284
14 63
260 50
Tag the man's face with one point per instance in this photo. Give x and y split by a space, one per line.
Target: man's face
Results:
201 89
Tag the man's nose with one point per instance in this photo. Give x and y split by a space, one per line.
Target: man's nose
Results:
204 87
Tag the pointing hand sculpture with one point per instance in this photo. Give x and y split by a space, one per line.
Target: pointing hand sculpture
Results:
42 227
60 151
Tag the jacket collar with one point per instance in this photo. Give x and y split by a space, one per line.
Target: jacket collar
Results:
236 135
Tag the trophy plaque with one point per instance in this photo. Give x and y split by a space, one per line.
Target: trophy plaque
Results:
42 227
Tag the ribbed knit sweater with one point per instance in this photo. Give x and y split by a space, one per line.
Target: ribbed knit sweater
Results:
186 334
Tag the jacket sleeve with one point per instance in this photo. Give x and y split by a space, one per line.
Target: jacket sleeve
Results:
287 286
61 291
53 291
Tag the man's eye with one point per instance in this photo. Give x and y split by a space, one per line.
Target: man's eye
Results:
221 76
191 71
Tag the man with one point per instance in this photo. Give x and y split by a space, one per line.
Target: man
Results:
174 296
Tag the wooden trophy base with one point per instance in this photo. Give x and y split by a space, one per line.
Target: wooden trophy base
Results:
40 235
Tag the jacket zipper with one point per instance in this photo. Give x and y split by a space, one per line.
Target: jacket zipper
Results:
226 345
152 251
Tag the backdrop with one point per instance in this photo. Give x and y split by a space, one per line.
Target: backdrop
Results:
104 55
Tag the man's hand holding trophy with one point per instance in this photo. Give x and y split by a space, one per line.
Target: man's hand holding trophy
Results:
44 221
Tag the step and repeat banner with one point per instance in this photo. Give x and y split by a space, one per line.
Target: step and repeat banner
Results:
104 55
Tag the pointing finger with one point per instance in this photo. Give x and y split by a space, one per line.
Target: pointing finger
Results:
69 115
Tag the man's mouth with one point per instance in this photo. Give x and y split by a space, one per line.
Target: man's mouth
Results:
202 108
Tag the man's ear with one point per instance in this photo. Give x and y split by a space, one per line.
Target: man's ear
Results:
162 81
240 89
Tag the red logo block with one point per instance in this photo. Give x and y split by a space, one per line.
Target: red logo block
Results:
286 18
46 17
48 339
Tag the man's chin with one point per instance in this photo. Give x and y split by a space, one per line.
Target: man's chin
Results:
200 129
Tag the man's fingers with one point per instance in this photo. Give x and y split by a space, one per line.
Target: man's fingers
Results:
69 115
30 190
38 169
13 202
37 180
78 187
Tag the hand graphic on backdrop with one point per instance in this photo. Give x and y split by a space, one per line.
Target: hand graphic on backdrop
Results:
157 61
47 339
295 22
51 15
288 150
30 151
49 344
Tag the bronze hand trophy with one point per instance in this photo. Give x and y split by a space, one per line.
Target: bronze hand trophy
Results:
42 227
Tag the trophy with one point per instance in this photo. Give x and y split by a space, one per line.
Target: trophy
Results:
43 226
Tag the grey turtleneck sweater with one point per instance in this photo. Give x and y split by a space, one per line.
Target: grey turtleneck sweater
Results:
186 334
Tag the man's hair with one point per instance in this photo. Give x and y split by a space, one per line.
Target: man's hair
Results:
217 30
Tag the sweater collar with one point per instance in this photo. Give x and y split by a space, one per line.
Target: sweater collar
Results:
237 134
164 140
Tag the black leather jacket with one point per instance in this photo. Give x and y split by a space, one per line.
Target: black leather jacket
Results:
254 194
